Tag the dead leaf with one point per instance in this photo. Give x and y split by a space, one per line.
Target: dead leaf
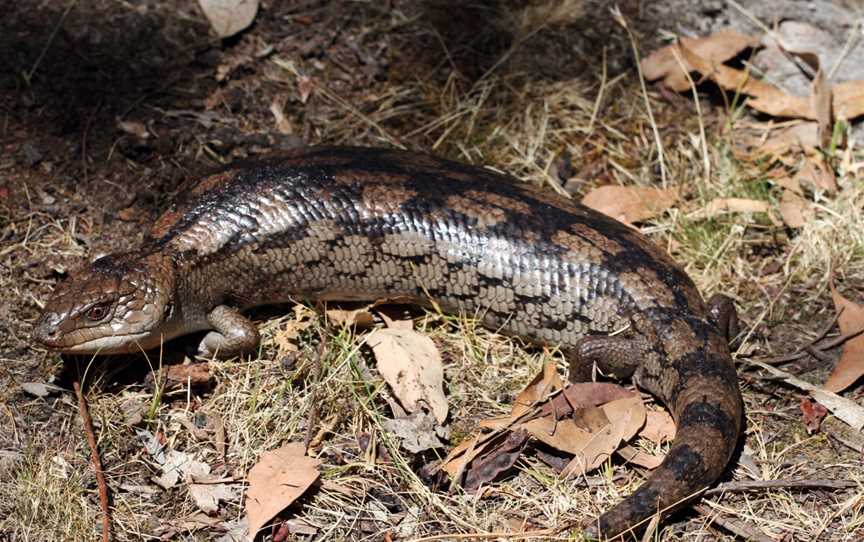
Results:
500 458
850 367
277 480
41 389
788 183
848 99
659 427
795 210
716 49
228 17
417 432
582 395
360 318
287 334
463 453
764 96
411 365
208 496
816 173
631 204
544 384
638 457
720 206
175 465
812 415
396 321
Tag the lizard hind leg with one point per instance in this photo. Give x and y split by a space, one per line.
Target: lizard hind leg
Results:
618 356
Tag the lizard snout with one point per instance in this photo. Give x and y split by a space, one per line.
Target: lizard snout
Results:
47 330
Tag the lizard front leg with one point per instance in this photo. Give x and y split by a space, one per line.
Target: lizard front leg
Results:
232 334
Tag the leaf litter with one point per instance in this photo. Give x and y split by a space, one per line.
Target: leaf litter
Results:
587 422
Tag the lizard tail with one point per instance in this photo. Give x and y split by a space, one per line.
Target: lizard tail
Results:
707 408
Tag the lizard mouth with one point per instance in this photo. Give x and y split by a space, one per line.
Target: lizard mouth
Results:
110 344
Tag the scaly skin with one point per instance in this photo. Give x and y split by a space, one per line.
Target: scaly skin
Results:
369 224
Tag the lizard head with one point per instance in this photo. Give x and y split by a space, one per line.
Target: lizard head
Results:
118 304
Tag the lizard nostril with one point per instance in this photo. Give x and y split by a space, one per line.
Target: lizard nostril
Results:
47 329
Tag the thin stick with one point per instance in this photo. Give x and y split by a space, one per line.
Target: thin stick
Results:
97 463
732 525
750 485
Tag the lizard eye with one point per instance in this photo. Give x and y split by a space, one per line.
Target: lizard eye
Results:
97 312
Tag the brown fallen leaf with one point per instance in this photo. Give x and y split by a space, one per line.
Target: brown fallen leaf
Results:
816 173
764 96
361 318
287 334
277 480
848 99
500 458
625 417
850 367
638 457
812 415
411 365
228 17
659 427
582 395
631 204
716 49
544 384
795 210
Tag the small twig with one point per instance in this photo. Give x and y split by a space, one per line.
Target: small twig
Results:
813 346
312 418
734 526
750 485
87 421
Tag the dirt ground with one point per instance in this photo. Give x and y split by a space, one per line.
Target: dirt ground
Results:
107 107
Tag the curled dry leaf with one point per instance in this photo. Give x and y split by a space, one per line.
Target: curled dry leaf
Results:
631 204
716 49
500 458
228 17
360 318
411 365
851 365
544 384
276 481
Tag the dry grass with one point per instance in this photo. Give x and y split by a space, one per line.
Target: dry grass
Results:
520 125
